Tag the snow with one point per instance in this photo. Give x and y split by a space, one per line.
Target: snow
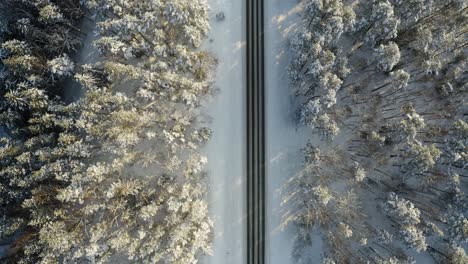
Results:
87 54
225 150
284 137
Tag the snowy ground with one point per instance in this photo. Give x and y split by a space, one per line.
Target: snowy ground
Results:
87 54
284 138
225 151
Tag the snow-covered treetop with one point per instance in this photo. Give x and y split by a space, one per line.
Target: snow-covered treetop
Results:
382 24
329 19
400 78
402 210
387 56
159 22
61 66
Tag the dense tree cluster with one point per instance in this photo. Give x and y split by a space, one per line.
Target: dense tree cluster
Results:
116 175
36 37
390 183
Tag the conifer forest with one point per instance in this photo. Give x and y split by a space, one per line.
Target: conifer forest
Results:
122 131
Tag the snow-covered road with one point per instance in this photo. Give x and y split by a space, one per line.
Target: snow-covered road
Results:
225 151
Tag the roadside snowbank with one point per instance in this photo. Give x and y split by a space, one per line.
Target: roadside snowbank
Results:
225 150
284 138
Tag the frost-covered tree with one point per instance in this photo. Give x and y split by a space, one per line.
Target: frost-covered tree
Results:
423 40
61 66
311 154
321 195
387 56
410 11
458 228
408 217
309 112
400 78
327 126
402 210
328 261
394 260
420 158
49 13
432 66
414 238
382 23
334 15
457 255
410 125
359 174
